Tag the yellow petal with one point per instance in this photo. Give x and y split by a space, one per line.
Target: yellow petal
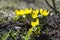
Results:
41 10
17 12
45 13
28 11
22 12
34 15
36 11
35 23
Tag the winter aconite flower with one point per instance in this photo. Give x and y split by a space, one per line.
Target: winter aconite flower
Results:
28 11
44 12
35 13
17 12
35 23
22 12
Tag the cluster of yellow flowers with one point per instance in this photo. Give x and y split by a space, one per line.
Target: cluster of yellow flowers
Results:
22 12
34 14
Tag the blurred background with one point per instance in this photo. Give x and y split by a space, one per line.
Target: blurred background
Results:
7 8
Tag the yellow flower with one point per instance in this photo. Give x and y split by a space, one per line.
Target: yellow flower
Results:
28 11
22 12
41 10
17 12
44 12
36 11
35 23
34 15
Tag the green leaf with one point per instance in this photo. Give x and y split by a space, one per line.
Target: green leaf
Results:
6 35
27 37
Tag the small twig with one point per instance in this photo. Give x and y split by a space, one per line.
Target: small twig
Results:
27 20
54 5
51 6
